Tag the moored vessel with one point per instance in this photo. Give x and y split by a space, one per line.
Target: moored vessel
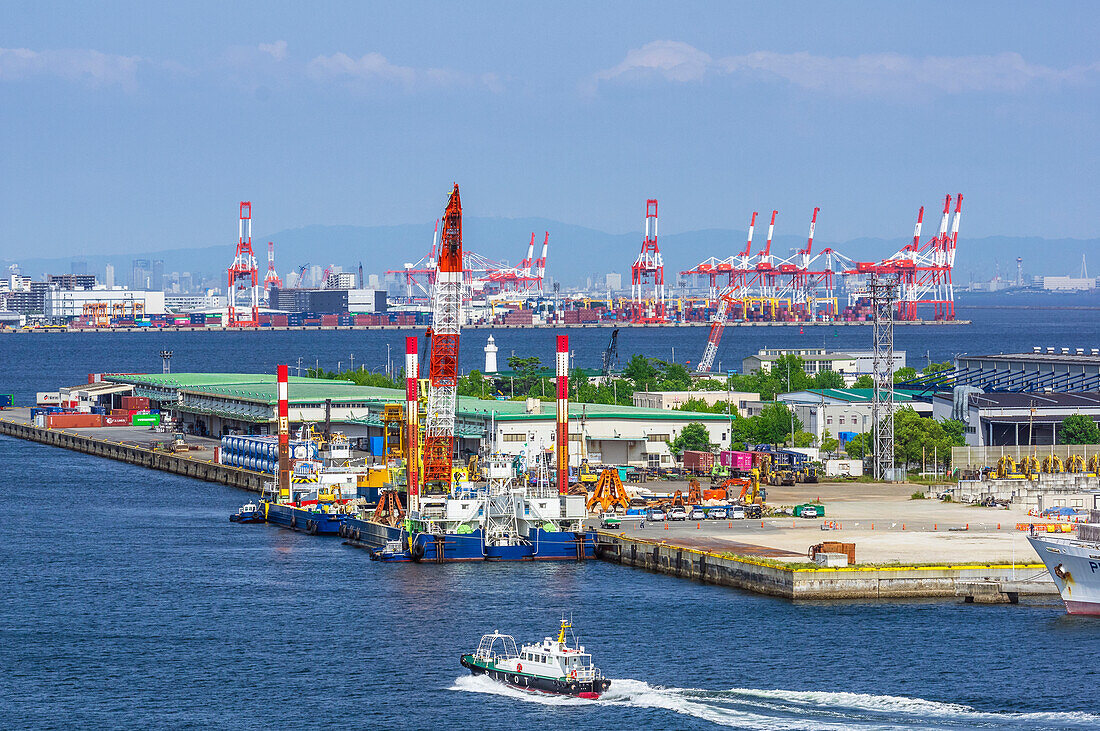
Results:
1074 564
551 666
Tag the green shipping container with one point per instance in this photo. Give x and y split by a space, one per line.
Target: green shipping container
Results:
146 420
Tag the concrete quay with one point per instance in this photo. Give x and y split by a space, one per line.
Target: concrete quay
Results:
754 570
140 451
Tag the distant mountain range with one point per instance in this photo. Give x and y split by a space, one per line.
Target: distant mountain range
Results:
575 251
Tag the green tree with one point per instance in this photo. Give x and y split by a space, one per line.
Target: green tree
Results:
694 437
641 371
1078 429
700 406
829 444
525 373
476 385
864 381
904 374
955 432
790 372
803 439
828 379
937 368
858 446
673 376
771 426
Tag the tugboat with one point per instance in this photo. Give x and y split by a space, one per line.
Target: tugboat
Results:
250 512
549 667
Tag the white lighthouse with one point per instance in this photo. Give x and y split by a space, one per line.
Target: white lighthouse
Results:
490 356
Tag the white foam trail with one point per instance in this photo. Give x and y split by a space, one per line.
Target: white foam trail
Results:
769 710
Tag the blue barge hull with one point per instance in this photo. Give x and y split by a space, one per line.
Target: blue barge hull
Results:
452 547
303 519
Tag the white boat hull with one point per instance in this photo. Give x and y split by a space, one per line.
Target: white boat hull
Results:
1075 567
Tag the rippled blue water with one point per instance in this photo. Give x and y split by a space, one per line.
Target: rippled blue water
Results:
42 362
131 601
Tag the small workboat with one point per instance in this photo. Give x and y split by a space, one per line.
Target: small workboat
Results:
250 512
552 666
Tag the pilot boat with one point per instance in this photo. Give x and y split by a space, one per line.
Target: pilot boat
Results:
552 666
250 512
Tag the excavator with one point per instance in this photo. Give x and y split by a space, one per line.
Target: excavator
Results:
588 474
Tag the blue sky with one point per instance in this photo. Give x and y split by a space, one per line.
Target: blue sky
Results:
140 125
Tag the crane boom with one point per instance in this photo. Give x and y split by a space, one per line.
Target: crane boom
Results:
725 302
443 358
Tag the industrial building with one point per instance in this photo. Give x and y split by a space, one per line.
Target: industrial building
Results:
842 412
1043 369
669 400
850 364
1008 418
70 303
221 403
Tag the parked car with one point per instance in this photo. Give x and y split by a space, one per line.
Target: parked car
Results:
737 512
656 514
809 512
697 514
717 513
677 514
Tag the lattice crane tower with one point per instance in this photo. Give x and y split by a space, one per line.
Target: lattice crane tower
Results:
443 359
883 288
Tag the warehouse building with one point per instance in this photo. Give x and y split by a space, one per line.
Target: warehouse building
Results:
1005 418
214 404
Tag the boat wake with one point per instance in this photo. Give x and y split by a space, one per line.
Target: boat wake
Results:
788 709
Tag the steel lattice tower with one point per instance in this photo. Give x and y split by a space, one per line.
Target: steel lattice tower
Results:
883 295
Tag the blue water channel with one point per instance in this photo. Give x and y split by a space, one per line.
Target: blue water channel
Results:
131 601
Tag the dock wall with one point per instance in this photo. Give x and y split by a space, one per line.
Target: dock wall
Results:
177 464
812 582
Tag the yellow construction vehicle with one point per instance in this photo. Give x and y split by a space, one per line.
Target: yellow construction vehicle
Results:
473 469
1008 470
588 474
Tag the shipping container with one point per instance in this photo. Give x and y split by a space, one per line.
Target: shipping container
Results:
698 462
116 420
74 421
145 419
737 460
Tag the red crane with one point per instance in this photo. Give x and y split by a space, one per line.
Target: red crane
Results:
243 267
443 358
272 279
648 267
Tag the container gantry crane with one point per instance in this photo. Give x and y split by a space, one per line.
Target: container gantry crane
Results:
243 268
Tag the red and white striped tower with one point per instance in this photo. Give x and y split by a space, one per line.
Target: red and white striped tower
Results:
563 414
284 435
412 423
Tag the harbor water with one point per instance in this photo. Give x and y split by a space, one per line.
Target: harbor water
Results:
131 601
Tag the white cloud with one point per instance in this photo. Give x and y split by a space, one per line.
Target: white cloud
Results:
674 60
276 50
79 65
374 67
884 73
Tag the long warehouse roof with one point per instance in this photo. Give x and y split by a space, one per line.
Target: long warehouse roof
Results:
261 388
